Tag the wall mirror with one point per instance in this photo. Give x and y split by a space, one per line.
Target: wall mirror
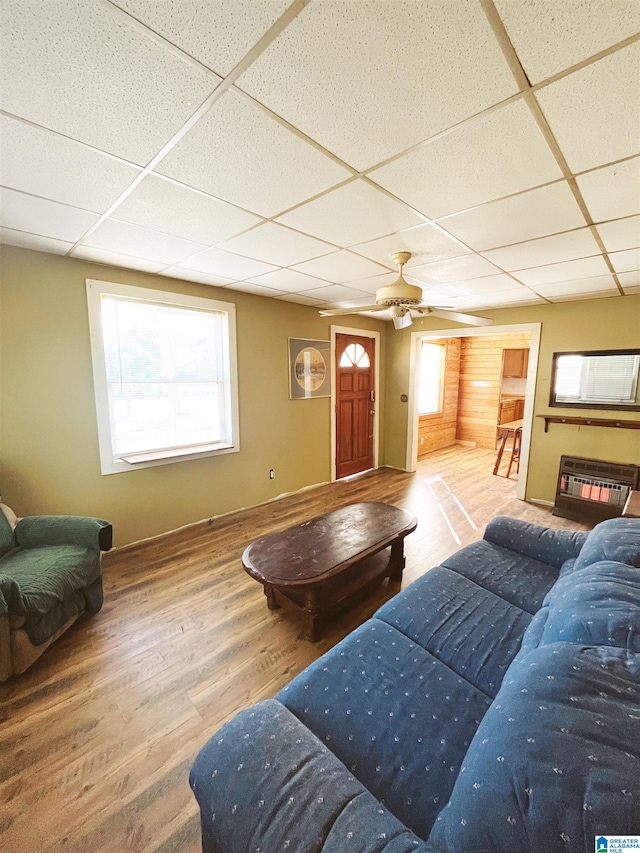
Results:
601 379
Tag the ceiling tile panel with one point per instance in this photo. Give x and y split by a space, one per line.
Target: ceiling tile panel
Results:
490 284
595 113
116 259
425 242
256 289
354 213
140 242
630 281
340 267
625 261
62 67
46 218
550 36
278 245
621 234
582 268
536 213
371 78
32 241
218 34
178 210
300 299
197 276
614 191
459 269
546 250
335 293
216 262
372 283
489 157
240 154
59 168
517 296
288 280
586 286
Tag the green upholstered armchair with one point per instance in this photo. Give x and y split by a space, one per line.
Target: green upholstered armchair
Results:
50 573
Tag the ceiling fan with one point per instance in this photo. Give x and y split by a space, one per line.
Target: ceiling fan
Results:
401 298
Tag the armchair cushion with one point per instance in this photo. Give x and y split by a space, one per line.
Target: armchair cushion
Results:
48 586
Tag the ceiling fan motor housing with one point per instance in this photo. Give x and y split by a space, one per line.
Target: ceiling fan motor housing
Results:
399 293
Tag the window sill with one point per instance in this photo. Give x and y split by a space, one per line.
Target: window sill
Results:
172 453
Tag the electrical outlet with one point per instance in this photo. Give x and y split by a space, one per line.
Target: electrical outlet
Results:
272 473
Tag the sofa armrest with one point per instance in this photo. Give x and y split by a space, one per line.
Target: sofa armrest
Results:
545 544
37 531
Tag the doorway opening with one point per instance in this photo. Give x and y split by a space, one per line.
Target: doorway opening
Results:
486 377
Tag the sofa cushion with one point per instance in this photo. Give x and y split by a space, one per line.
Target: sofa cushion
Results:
472 630
53 585
399 719
264 770
615 539
598 605
516 578
555 758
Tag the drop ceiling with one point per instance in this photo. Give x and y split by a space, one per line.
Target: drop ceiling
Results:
287 149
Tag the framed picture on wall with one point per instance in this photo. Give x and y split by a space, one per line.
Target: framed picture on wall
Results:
309 369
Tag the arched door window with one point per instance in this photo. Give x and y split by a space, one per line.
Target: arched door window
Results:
354 355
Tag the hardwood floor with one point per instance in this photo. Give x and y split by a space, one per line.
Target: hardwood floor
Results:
98 737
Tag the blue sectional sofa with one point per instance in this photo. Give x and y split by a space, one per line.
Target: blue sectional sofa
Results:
493 705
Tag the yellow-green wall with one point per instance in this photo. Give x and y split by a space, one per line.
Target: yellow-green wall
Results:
49 460
48 437
581 325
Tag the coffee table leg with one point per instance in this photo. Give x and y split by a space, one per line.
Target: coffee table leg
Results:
396 560
269 591
311 615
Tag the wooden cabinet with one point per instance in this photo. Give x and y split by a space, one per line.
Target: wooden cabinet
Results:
507 411
519 409
515 363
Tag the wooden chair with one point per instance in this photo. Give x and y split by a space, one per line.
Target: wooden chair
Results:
515 451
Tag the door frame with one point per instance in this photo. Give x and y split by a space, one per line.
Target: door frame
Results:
473 331
363 333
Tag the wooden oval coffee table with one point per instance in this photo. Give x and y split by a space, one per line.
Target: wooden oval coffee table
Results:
322 565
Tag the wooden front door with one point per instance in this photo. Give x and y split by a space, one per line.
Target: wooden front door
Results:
355 356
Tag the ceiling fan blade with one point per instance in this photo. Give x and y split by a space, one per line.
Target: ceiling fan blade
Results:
336 312
468 319
402 322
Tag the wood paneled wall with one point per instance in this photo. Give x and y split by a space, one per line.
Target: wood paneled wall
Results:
479 388
438 431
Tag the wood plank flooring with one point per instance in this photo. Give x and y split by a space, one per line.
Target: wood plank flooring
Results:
98 737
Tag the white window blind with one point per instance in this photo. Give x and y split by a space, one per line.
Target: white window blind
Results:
612 379
164 375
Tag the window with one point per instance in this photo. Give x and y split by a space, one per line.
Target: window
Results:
354 355
431 376
596 379
165 373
